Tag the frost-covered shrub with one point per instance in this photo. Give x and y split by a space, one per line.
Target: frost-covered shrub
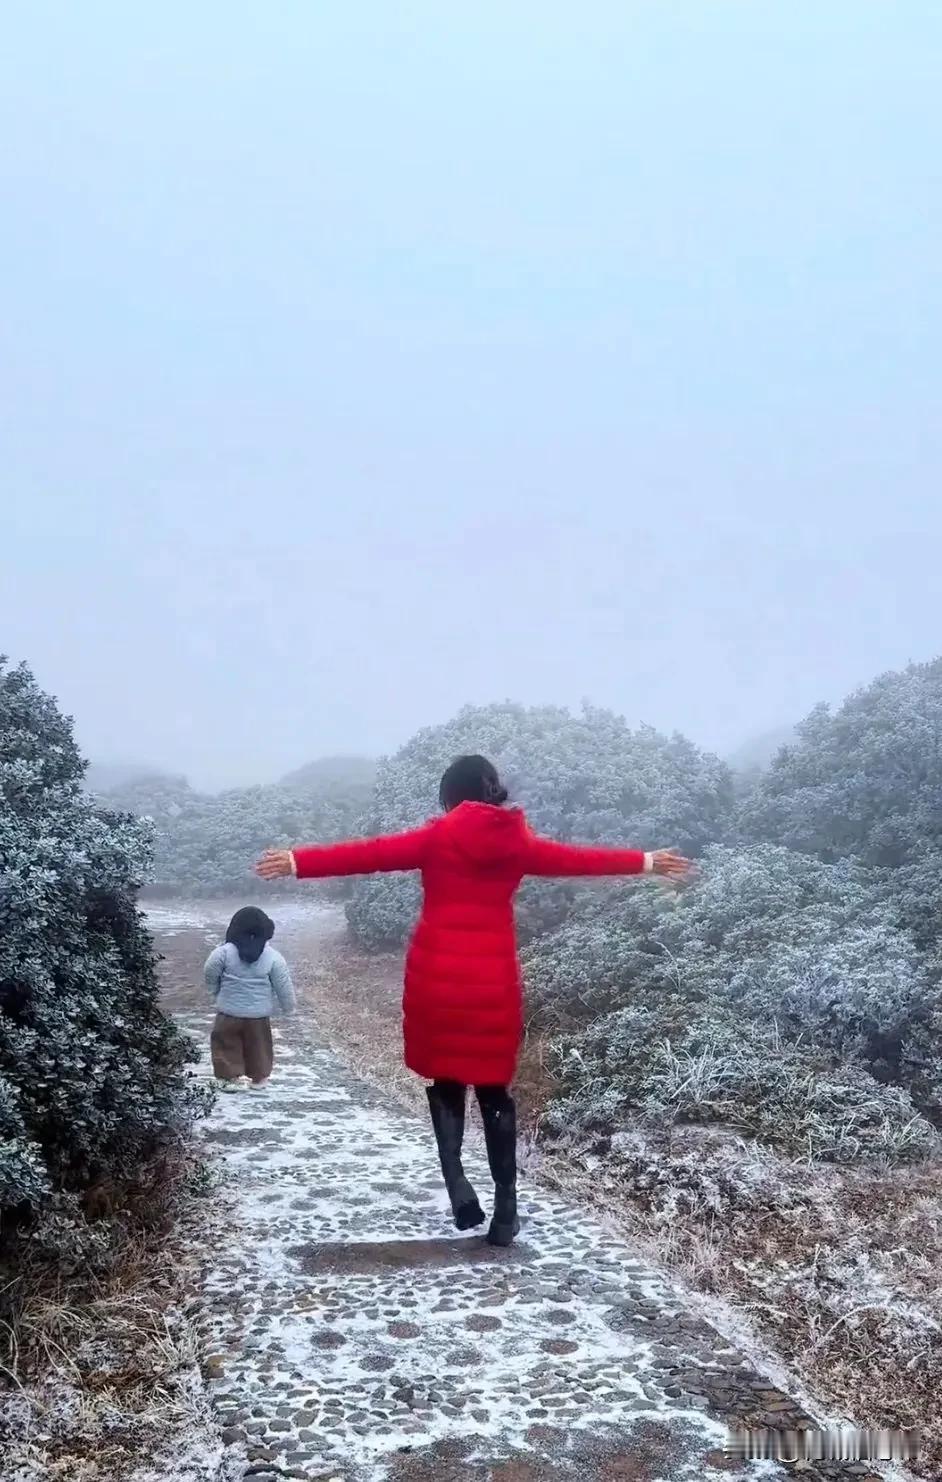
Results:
865 780
777 1092
382 909
587 778
779 996
741 1078
713 1179
91 1073
207 844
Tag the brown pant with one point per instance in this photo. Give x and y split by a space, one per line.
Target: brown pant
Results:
241 1047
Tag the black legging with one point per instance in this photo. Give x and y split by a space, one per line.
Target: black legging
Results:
497 1097
447 1100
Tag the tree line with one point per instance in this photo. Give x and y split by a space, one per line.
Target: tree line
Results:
204 844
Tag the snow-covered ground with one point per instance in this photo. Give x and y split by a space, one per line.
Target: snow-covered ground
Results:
166 917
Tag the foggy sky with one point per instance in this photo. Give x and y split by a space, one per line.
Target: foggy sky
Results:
363 360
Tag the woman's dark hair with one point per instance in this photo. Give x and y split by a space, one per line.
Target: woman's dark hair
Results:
249 931
471 779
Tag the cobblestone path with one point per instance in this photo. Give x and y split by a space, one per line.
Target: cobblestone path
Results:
351 1333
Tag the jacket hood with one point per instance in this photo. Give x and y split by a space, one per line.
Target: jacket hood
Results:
261 959
487 834
249 932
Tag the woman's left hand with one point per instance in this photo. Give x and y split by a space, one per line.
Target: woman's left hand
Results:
274 864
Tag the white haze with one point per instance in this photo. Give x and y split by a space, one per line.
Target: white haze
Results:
362 361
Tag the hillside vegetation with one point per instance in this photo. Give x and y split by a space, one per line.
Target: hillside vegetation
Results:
206 843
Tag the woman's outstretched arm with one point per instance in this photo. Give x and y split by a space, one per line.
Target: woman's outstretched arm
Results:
548 858
358 857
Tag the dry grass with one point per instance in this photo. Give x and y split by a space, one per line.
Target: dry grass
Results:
100 1369
354 1000
837 1273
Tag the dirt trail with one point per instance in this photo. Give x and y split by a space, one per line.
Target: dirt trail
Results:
350 1333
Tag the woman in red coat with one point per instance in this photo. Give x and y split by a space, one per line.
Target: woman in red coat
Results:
462 1004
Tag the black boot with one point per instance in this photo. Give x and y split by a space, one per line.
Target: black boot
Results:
446 1104
499 1115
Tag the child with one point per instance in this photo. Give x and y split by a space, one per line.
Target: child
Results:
245 977
462 1005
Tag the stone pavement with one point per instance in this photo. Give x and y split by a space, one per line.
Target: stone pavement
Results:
350 1332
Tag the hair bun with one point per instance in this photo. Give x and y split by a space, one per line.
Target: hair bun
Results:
471 779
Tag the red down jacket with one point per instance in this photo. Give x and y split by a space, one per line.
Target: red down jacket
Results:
462 1005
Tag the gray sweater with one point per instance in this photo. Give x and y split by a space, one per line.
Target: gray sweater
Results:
249 990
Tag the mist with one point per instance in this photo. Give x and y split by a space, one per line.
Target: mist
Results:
363 363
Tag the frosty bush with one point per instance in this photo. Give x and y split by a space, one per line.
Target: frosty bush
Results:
91 1073
206 844
382 909
864 781
780 997
587 778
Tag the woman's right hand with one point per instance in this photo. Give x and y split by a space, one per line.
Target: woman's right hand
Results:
672 866
274 864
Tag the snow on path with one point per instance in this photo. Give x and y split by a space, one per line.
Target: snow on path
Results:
352 1333
167 918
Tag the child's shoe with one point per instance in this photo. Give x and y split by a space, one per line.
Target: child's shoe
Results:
259 1085
235 1085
